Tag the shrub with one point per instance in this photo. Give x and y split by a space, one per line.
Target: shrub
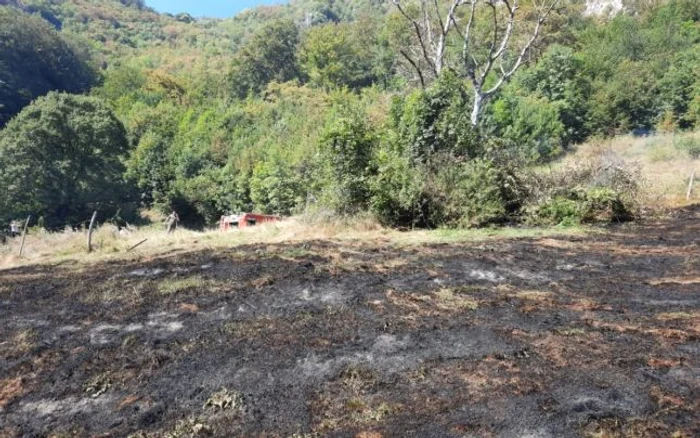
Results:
474 193
602 204
596 205
600 190
556 211
397 191
689 145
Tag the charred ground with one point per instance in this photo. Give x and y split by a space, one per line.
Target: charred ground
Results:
548 337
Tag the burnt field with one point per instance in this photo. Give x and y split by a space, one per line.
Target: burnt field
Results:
532 337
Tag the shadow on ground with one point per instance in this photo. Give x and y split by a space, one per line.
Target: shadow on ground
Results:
546 337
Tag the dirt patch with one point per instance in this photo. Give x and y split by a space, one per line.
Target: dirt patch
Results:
593 335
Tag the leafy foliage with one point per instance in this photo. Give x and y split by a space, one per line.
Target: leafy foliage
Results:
436 120
309 104
342 55
60 158
347 144
35 59
600 204
269 56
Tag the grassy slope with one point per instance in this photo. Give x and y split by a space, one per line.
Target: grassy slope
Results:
49 248
664 168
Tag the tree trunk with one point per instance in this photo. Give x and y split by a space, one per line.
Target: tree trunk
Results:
476 111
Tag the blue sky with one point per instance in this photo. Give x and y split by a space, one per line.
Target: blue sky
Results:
208 8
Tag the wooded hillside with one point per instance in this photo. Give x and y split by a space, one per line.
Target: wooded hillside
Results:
339 106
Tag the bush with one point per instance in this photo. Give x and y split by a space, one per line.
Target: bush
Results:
397 191
580 206
346 145
689 145
474 193
598 191
602 204
445 193
556 211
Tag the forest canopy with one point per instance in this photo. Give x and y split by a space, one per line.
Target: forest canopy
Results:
36 59
316 105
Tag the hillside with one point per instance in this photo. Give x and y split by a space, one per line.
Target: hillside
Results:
486 223
119 28
332 106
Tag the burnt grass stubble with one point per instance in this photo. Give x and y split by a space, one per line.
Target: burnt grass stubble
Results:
549 337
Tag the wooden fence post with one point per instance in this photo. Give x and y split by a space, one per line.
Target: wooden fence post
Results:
24 235
690 187
89 236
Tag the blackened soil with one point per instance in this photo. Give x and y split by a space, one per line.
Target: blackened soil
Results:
546 337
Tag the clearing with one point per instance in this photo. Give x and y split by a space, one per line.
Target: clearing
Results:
596 334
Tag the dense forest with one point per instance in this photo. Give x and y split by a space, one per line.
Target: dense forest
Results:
331 106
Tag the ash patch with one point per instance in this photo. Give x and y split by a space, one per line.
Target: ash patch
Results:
500 274
622 399
146 272
67 407
159 325
392 354
330 295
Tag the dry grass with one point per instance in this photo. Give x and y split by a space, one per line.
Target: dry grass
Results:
50 248
451 298
172 286
675 316
665 168
19 343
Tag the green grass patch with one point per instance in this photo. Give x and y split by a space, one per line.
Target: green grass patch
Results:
172 286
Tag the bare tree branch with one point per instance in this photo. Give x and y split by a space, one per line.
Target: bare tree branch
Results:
541 19
418 32
434 32
465 50
415 66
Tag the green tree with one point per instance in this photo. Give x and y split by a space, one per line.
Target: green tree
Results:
346 144
626 101
436 121
270 55
62 157
35 59
274 189
558 77
334 55
528 125
678 87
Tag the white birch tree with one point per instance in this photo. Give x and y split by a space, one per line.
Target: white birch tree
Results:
488 58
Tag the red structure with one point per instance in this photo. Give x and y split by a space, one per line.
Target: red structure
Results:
245 220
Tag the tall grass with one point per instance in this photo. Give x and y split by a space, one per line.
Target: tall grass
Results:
71 246
665 162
